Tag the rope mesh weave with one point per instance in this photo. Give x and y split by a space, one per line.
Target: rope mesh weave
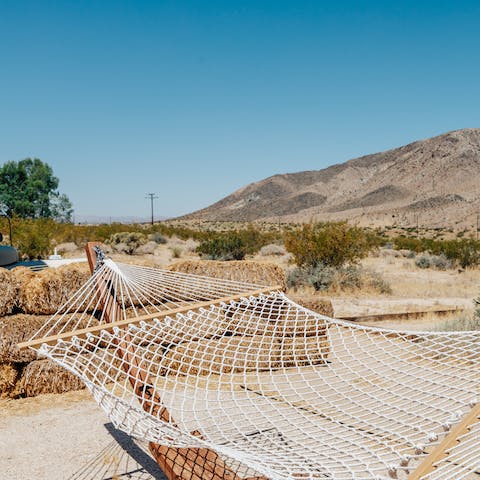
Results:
261 387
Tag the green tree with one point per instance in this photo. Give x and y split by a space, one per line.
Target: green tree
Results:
28 189
62 208
328 244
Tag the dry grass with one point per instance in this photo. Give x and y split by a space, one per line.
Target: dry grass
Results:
407 280
261 273
44 376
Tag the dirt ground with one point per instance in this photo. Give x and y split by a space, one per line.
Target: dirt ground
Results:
67 437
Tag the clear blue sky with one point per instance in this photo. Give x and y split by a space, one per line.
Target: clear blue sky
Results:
194 99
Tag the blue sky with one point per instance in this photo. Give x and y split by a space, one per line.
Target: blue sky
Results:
194 99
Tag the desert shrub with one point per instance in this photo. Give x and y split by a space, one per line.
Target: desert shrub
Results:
464 252
297 277
127 242
423 261
272 250
223 247
176 252
441 262
319 277
233 245
376 282
350 277
158 238
34 238
329 244
463 323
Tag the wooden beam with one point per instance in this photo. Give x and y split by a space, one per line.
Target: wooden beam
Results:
441 451
131 321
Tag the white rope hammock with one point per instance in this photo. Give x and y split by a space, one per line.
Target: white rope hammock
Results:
260 387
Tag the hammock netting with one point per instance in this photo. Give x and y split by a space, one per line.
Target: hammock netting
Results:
249 385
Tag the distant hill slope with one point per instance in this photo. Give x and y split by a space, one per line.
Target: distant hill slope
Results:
436 181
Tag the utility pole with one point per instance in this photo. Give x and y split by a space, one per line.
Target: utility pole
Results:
152 197
478 224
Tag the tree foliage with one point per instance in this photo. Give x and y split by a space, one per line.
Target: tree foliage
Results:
234 245
28 189
328 244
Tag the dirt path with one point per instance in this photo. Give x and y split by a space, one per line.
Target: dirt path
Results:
67 437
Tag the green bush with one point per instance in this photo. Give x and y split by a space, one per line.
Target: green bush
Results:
441 262
158 238
464 252
233 245
423 261
34 238
329 244
350 277
127 242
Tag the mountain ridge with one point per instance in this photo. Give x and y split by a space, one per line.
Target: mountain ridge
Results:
436 178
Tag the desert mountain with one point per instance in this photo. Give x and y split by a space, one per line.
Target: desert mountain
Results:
435 182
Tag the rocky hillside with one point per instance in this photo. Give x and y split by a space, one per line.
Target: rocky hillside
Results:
435 182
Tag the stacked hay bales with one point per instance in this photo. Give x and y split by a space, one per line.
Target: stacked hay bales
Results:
222 355
43 293
260 273
45 376
249 336
235 341
27 301
316 304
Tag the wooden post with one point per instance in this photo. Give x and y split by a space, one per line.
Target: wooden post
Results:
176 463
440 452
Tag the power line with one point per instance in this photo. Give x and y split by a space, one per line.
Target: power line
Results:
152 197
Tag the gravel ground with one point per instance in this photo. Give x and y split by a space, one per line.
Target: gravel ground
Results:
67 437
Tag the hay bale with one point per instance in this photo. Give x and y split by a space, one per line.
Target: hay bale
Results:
316 304
306 351
193 326
15 329
277 317
21 275
222 355
21 327
43 293
9 374
45 376
9 292
261 273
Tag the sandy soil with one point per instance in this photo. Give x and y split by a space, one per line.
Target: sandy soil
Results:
67 437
